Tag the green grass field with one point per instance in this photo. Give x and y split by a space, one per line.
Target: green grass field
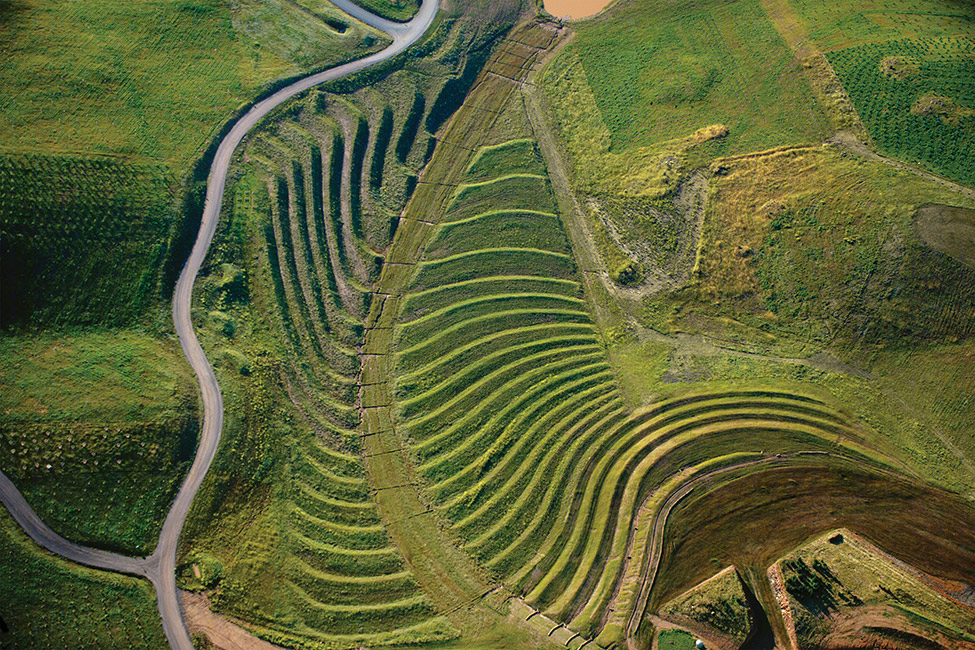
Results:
907 66
435 400
659 71
927 116
97 430
116 85
49 603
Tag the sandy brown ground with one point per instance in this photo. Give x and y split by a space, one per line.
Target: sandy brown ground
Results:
224 633
850 632
950 230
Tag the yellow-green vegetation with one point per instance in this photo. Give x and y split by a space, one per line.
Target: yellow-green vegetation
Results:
810 249
849 23
717 604
99 77
650 91
516 423
840 578
51 604
286 531
96 430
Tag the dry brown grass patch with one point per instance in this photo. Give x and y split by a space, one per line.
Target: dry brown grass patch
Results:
899 67
946 108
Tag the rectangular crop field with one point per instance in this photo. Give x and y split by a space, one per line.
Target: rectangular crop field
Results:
917 99
661 70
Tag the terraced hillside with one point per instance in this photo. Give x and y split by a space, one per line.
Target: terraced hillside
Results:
512 414
315 204
338 579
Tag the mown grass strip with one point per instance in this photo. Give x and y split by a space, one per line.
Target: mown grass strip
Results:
413 381
354 537
423 302
455 335
514 156
492 262
423 328
514 557
478 505
596 585
521 432
493 536
511 192
613 474
472 399
436 395
444 465
498 228
582 458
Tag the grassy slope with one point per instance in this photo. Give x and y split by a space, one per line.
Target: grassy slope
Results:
90 169
819 251
114 88
96 431
841 269
48 603
830 260
718 604
110 78
288 436
828 581
399 10
632 96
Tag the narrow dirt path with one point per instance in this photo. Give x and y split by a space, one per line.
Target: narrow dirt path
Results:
584 249
160 567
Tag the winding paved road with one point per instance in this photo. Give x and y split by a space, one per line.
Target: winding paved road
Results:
160 567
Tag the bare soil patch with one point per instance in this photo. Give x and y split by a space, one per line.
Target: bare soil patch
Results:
223 633
575 8
948 229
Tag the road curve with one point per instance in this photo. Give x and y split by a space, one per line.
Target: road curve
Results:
160 567
41 533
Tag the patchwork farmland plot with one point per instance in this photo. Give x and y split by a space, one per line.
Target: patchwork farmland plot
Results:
922 111
83 214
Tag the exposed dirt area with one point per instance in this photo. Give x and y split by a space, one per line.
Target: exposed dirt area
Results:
684 218
224 633
881 627
755 520
949 230
575 9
